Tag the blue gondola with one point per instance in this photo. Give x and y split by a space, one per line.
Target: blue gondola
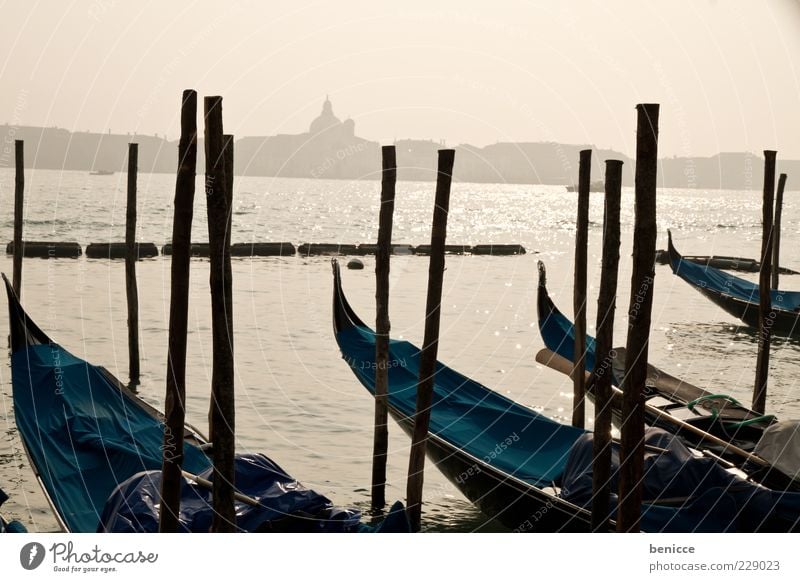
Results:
96 450
530 472
738 296
670 400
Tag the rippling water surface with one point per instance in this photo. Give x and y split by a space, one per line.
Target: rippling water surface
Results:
296 399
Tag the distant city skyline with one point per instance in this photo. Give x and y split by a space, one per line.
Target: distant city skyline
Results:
725 73
329 148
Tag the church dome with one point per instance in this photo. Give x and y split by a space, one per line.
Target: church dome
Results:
326 120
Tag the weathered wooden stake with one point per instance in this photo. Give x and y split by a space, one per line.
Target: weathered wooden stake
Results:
19 195
776 236
606 306
222 421
430 344
227 153
766 315
382 327
641 303
175 401
131 290
579 291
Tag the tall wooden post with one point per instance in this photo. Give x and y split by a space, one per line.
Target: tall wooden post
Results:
641 303
776 237
382 327
766 315
579 291
19 195
131 290
222 421
227 154
603 369
175 401
430 344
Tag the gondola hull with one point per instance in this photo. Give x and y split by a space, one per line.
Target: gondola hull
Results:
512 503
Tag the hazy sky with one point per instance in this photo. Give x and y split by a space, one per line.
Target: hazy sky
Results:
726 72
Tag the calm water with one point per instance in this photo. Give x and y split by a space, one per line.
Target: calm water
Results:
296 399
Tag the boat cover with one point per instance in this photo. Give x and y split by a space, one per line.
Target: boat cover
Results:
694 494
780 446
83 434
284 504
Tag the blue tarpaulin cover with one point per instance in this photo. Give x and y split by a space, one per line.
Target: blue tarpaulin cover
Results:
285 504
84 434
694 494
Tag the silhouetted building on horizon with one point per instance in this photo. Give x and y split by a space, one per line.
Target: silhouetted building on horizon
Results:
329 149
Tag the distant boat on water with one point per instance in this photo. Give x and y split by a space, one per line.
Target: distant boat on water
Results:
596 186
101 173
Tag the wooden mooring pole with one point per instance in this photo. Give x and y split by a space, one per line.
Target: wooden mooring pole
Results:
430 344
382 327
221 416
579 290
19 197
776 237
131 290
766 315
603 370
641 303
175 401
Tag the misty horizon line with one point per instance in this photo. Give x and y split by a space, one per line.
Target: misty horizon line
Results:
442 142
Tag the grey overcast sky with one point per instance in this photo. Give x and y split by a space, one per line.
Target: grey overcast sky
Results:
725 72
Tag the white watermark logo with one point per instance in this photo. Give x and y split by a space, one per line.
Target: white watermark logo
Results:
31 555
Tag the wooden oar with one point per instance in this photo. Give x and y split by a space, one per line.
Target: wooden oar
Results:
553 360
206 484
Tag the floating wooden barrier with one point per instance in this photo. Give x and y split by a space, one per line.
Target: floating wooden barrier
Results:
425 250
498 250
71 250
118 250
278 249
197 250
47 250
328 249
395 249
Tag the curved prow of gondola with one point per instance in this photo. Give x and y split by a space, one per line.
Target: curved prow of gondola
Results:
674 256
544 305
24 331
556 328
343 315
